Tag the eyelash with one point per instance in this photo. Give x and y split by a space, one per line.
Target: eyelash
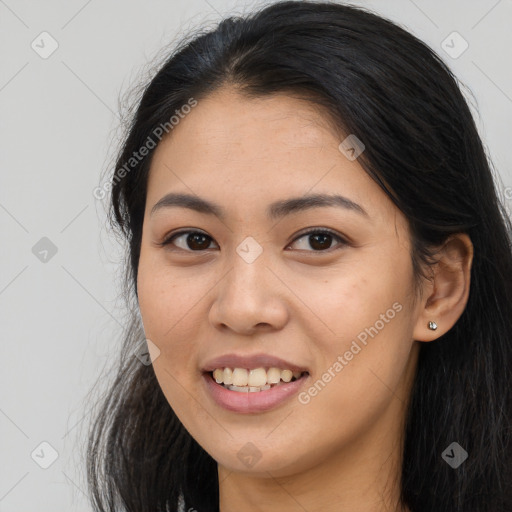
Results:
328 231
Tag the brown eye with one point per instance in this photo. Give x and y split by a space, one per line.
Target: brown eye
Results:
192 241
321 239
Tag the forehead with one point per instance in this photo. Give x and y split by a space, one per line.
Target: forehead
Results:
231 113
230 147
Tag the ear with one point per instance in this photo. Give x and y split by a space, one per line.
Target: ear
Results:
446 294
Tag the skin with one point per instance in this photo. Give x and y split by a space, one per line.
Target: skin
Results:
342 449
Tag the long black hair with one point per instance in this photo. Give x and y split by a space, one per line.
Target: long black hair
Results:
377 81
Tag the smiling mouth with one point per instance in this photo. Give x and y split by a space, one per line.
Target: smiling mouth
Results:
243 380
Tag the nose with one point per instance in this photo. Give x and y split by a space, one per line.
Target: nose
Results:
249 299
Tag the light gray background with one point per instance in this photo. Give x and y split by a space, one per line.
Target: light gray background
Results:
60 319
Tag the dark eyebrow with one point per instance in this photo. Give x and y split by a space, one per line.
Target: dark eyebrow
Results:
274 211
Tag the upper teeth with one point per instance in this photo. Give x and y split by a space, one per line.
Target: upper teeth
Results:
255 378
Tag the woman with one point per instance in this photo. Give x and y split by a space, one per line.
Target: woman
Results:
323 273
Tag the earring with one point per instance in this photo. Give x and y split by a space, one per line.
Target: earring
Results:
432 325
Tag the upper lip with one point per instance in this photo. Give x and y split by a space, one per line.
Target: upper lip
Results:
251 362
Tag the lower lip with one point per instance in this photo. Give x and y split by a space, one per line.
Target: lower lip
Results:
251 402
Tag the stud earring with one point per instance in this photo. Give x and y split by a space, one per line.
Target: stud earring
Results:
432 325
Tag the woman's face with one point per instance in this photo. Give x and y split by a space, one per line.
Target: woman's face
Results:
252 291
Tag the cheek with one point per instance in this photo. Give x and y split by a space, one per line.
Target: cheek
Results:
165 305
359 380
356 298
370 335
166 297
166 309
